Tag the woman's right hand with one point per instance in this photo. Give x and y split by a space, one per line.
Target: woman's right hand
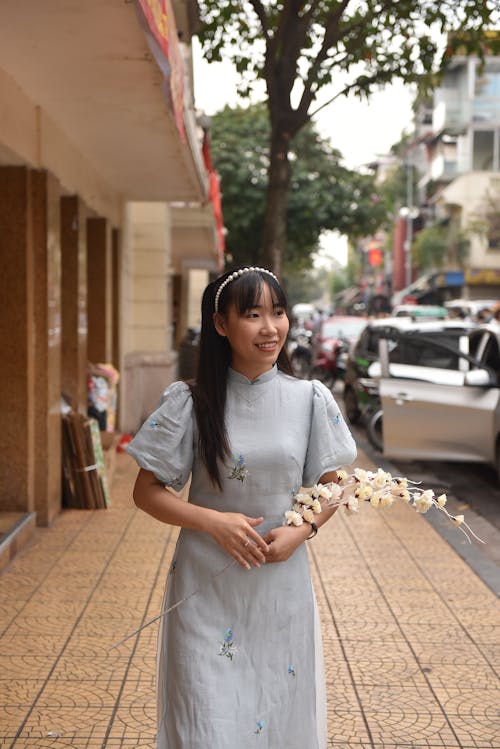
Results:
235 533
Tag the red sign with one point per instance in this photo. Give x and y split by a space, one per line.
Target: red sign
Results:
161 21
375 257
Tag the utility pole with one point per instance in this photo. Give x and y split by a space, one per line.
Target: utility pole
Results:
409 218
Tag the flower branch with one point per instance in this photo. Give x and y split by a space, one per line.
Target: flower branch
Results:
380 489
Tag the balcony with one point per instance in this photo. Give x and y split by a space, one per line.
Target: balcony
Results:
451 116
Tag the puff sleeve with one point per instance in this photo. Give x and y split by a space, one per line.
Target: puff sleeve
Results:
330 442
164 443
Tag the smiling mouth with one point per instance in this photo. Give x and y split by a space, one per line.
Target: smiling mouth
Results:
270 346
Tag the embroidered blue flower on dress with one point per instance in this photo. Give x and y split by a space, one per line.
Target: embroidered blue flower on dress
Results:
260 726
176 484
335 419
291 670
227 647
152 423
239 470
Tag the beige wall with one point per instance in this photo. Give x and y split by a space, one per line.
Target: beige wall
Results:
148 362
470 192
198 279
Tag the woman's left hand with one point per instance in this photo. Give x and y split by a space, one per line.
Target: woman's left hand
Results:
283 541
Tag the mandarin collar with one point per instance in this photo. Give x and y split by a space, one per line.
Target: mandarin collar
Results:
241 379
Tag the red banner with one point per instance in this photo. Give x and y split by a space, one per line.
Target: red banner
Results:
161 21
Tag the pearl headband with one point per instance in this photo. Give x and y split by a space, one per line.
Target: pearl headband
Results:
234 276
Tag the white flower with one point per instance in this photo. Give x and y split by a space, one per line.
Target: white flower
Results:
323 491
293 518
297 507
458 519
308 516
364 491
423 502
342 475
386 500
441 500
335 492
381 479
399 491
316 506
302 498
352 504
375 499
362 475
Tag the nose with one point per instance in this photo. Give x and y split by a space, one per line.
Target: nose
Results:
269 325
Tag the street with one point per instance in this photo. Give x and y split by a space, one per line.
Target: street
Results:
472 489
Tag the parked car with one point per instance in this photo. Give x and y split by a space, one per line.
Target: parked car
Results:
413 356
420 311
330 346
456 415
469 308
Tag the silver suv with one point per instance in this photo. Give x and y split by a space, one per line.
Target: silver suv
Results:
448 414
412 355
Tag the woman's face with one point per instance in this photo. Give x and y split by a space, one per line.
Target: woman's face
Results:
256 337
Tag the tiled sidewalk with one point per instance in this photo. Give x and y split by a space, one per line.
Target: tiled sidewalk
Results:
411 635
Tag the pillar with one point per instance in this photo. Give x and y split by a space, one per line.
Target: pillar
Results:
47 360
16 337
116 296
74 302
99 291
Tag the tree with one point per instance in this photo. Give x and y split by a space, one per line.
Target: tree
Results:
323 194
440 245
297 47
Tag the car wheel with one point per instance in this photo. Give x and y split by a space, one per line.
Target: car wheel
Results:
351 406
374 430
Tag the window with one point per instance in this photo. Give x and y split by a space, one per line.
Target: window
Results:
483 151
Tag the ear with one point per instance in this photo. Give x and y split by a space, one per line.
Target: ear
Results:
219 324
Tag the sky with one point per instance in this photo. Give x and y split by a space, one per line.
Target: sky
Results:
360 130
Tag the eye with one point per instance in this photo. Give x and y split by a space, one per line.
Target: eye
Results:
252 314
279 312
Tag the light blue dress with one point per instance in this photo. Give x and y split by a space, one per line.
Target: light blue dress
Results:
239 662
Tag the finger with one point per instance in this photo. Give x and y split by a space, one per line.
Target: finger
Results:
257 540
254 521
241 560
255 555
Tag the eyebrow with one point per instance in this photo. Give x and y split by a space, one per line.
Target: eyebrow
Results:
259 306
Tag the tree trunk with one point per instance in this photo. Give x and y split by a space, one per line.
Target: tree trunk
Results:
274 232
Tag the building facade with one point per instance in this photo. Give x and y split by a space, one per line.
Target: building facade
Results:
100 154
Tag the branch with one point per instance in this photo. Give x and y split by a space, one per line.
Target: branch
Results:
333 33
379 76
261 15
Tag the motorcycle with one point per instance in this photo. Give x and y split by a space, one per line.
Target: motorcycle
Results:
299 351
329 363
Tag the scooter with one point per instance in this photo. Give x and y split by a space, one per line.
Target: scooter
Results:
299 351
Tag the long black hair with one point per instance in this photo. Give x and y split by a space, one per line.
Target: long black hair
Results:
209 389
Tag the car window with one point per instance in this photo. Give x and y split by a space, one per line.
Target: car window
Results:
492 356
423 352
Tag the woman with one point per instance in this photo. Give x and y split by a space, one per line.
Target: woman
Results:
239 662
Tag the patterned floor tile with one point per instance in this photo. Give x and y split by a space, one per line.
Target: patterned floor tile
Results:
71 723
